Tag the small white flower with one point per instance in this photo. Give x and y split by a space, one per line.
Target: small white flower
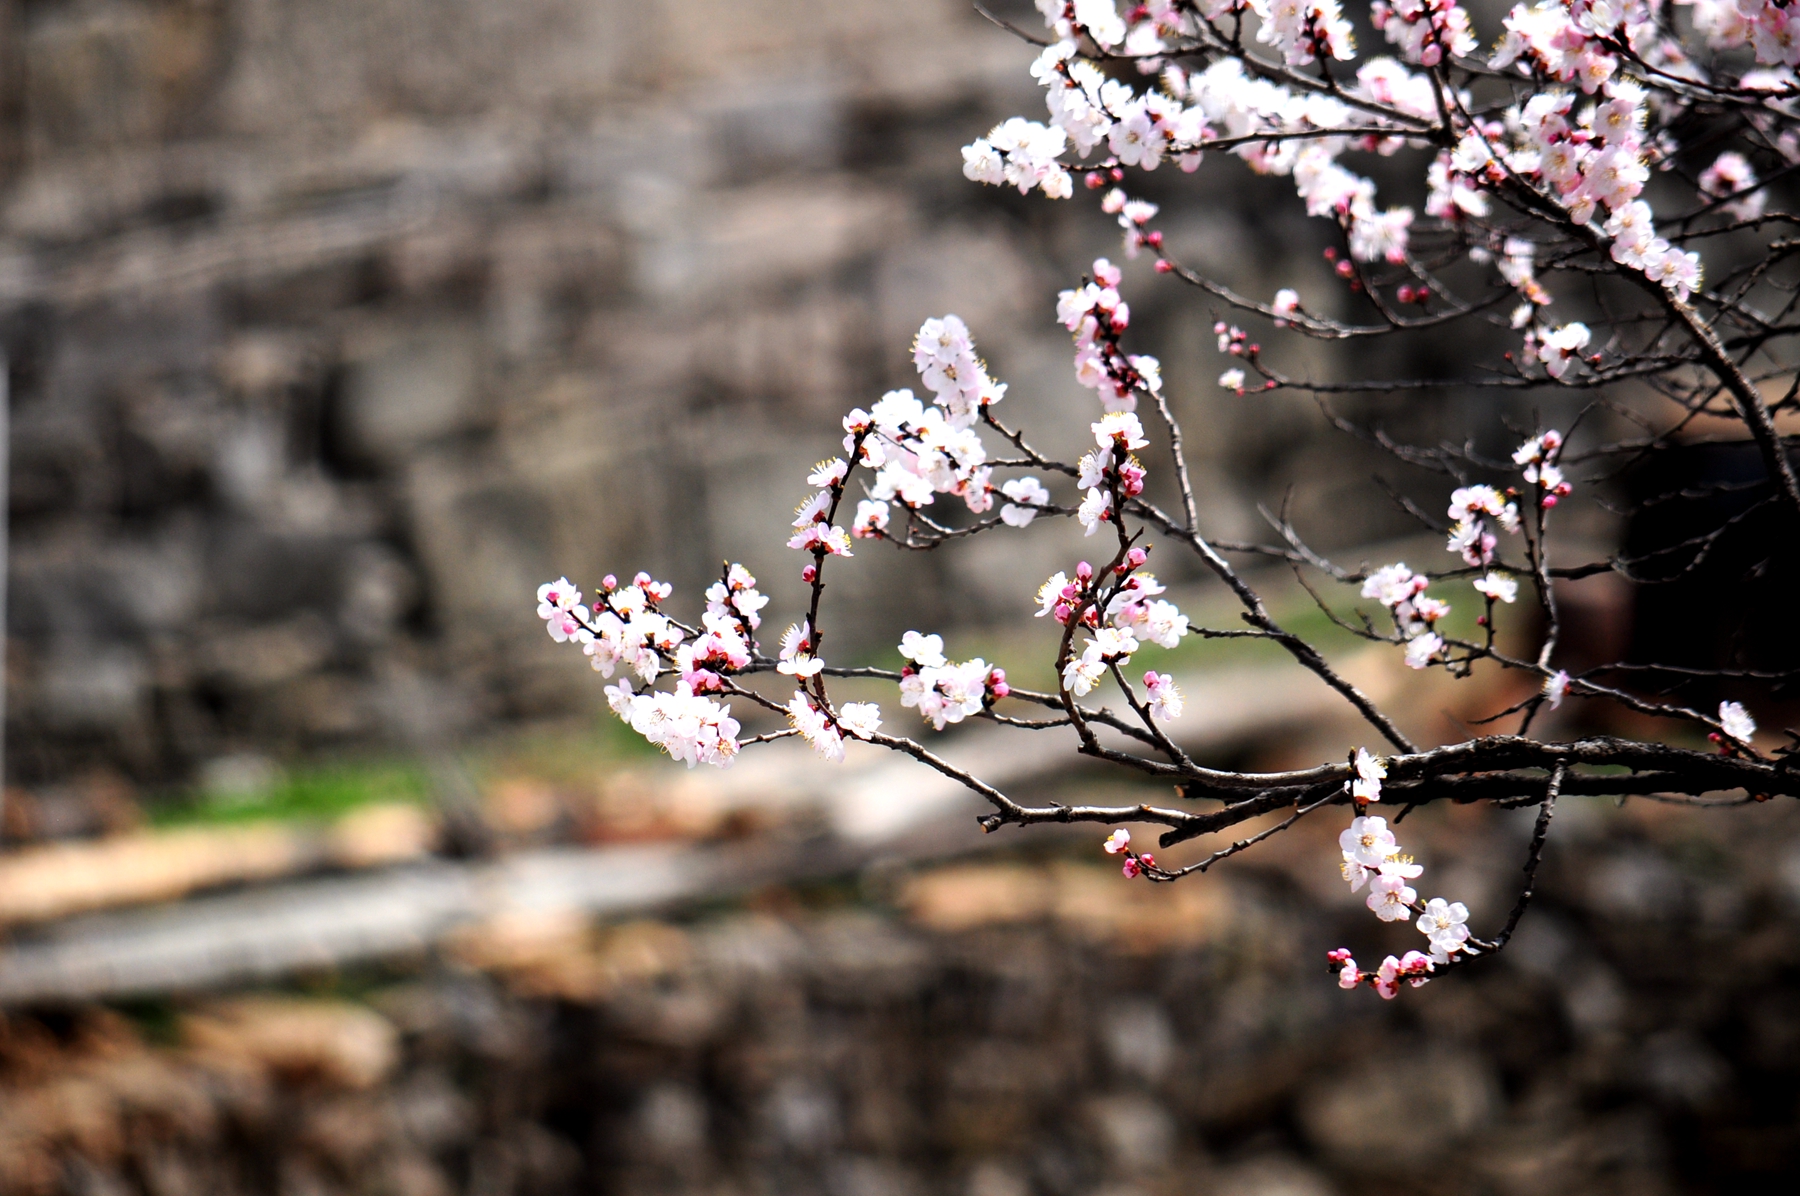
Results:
1023 490
1443 922
926 651
1120 426
1736 722
1094 509
861 719
1084 672
1370 772
1555 686
1497 587
1421 649
815 728
1368 842
1391 585
1391 898
1232 379
1165 696
802 666
1118 841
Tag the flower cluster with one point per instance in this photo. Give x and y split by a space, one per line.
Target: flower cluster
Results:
734 599
813 529
1373 856
1471 507
943 690
1224 101
704 662
824 732
1109 646
1304 30
1474 512
1403 592
1592 160
1135 608
1765 25
1111 469
944 355
627 629
1096 315
1414 967
919 451
1559 349
1538 456
691 728
1425 30
1022 153
1119 843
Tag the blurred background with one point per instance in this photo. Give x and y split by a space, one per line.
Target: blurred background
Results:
333 329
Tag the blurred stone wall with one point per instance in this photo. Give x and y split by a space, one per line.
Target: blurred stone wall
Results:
998 1029
335 327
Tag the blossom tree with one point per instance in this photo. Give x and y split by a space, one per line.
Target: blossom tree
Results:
1596 182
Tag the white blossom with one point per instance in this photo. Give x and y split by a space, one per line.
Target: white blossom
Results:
1736 722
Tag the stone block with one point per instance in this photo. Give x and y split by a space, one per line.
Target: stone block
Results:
403 392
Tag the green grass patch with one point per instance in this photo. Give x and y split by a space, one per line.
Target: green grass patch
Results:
316 793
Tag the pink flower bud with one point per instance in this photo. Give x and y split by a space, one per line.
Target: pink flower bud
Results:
1084 571
1130 869
1002 689
609 583
642 579
1137 556
1153 238
1549 501
809 574
1164 266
